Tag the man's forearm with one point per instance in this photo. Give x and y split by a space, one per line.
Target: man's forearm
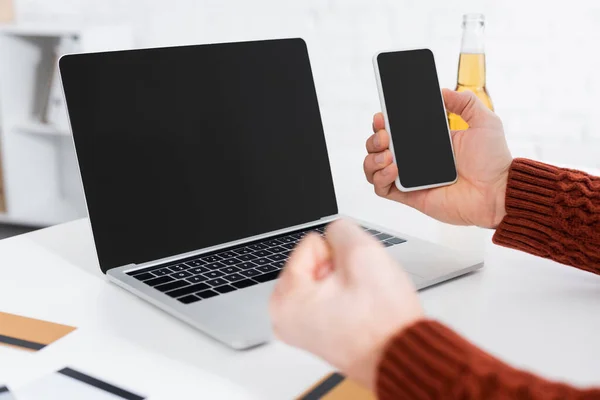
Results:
553 213
430 361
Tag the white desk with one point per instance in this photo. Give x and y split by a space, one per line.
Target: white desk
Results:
531 312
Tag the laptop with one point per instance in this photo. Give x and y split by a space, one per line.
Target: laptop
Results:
203 166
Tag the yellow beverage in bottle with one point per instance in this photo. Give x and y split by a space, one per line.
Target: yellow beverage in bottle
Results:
471 66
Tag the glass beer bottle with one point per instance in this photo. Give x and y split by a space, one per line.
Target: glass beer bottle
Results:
471 66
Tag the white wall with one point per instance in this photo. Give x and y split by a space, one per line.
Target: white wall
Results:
543 55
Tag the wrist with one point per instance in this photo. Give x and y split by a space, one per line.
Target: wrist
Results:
500 201
364 370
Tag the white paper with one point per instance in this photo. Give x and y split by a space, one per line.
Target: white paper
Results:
60 387
119 363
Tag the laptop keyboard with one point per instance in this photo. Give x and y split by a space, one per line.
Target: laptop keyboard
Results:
209 275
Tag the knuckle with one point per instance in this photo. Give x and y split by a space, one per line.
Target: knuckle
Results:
469 107
378 179
498 121
362 250
276 326
471 101
366 164
274 313
369 171
387 156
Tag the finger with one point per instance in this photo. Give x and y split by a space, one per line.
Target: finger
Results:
323 271
377 142
347 241
384 179
378 122
384 182
299 276
468 106
301 267
344 235
375 162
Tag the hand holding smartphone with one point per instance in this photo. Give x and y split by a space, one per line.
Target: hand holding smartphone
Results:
415 118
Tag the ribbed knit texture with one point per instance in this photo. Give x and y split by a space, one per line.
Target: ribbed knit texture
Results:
430 361
552 213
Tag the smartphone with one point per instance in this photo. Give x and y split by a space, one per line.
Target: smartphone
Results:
415 119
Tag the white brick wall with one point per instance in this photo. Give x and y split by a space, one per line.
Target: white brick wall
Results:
543 55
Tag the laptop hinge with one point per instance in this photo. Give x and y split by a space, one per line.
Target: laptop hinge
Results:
174 258
130 265
329 217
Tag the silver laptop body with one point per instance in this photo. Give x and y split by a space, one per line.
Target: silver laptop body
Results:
240 319
141 209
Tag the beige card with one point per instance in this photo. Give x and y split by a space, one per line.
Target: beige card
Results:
337 387
28 333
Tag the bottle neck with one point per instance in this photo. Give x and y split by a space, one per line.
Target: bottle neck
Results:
471 68
473 37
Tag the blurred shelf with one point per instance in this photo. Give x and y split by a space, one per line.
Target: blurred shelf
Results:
41 213
39 29
40 128
41 178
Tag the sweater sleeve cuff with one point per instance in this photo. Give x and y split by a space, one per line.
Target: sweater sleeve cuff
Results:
535 195
430 361
529 205
423 361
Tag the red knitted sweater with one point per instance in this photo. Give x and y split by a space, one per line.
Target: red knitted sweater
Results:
552 213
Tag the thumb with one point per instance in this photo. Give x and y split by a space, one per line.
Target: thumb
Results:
308 256
469 107
344 237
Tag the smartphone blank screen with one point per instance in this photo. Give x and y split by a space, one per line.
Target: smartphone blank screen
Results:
417 119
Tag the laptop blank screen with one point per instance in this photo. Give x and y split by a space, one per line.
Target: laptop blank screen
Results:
188 147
